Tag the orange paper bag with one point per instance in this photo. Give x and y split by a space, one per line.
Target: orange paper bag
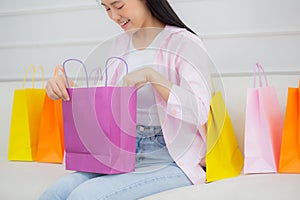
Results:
51 135
290 146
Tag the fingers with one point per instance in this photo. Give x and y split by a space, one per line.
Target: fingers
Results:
136 78
140 85
56 88
128 81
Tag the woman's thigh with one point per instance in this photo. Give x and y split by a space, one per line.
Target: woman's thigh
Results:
131 186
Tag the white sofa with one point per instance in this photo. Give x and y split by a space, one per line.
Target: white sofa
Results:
27 180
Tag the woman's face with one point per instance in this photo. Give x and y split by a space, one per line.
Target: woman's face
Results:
129 14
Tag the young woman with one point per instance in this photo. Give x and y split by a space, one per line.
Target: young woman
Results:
170 67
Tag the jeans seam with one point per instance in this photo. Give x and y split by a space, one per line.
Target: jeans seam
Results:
139 183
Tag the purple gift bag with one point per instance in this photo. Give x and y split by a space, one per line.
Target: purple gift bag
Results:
100 128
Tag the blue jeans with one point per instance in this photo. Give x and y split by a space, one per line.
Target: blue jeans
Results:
155 172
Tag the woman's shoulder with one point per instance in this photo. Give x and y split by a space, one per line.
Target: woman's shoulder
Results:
181 32
184 38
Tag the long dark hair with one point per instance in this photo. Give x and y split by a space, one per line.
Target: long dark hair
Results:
162 10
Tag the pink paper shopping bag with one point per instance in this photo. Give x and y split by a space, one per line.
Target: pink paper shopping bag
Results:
263 128
100 128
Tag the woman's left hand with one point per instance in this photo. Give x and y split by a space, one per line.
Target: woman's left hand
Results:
137 78
142 76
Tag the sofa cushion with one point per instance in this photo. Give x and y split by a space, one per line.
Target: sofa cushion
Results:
255 186
27 180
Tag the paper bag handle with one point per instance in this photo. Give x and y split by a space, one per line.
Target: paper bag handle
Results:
57 69
260 71
106 64
98 75
85 70
83 65
33 75
98 71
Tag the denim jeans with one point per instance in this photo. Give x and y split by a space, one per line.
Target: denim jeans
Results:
155 172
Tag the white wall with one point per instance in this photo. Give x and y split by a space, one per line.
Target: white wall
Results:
237 33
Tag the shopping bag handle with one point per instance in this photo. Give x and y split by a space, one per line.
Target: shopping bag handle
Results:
98 71
106 66
65 72
260 71
33 75
85 70
57 69
98 75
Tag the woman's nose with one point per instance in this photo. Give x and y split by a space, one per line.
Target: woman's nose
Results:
115 15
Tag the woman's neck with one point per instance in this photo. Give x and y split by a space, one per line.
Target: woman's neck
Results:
142 38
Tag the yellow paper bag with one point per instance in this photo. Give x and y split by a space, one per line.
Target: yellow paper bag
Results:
25 121
223 158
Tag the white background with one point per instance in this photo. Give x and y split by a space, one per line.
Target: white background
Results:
237 33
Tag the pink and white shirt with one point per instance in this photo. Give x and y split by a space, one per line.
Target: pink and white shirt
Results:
182 58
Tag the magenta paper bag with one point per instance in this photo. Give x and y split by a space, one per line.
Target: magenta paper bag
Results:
263 128
100 129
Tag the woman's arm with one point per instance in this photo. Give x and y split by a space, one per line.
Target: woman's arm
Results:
140 77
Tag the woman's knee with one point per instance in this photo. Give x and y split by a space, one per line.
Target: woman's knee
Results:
65 185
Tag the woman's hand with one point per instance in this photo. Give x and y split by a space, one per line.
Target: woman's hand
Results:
140 77
137 78
56 88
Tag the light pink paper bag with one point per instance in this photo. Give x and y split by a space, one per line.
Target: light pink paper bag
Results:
263 128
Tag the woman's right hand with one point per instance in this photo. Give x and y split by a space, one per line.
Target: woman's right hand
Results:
56 88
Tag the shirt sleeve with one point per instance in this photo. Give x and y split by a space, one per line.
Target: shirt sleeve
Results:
189 99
